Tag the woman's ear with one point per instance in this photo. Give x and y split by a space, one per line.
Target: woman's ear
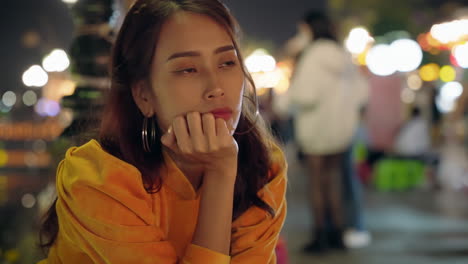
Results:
143 98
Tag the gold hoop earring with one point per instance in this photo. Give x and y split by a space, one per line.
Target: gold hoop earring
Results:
148 134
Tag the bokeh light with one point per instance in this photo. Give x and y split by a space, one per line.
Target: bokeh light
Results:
31 159
45 107
3 193
285 71
11 255
35 76
67 87
407 54
381 61
267 79
450 31
39 146
357 40
28 200
260 61
447 73
460 53
408 96
451 90
30 39
4 108
29 98
65 117
9 99
448 95
453 61
423 41
434 43
3 158
361 58
56 61
414 82
70 1
429 72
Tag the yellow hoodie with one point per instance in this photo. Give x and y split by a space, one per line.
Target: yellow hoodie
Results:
106 216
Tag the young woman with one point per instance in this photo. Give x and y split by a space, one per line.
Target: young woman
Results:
183 170
328 93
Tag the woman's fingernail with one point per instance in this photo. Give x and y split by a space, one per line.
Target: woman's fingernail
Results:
169 130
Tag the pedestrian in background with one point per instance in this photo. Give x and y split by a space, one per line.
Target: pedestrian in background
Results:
327 93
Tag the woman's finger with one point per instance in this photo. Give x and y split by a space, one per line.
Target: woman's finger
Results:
182 135
226 140
196 132
209 128
221 128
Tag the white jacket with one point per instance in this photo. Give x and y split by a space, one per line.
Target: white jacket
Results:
414 138
326 93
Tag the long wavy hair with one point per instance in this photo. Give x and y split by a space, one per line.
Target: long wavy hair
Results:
120 132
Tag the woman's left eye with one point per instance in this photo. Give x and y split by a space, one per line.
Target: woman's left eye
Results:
227 64
186 71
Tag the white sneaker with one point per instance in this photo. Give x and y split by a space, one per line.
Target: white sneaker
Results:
357 239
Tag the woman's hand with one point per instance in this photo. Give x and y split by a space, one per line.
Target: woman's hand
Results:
202 139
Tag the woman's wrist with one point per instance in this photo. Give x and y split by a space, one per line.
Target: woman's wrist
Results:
221 176
215 214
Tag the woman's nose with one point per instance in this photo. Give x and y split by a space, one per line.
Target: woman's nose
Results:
214 93
213 89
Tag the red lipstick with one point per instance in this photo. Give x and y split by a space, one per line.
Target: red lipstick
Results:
224 113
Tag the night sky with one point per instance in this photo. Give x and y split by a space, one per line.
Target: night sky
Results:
273 20
49 18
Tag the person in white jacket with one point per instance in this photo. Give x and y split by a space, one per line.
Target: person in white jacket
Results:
326 93
413 140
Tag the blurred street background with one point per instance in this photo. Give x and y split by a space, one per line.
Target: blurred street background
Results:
412 54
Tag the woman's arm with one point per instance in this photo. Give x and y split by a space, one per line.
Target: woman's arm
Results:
202 140
213 229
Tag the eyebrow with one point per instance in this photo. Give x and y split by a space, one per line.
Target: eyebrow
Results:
196 53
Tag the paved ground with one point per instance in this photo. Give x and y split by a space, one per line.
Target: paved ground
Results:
407 228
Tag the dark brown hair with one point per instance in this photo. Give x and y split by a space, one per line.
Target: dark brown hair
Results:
120 133
320 24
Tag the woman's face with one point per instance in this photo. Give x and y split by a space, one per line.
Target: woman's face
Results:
195 68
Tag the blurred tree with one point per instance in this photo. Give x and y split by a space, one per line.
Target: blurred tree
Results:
90 56
382 16
387 20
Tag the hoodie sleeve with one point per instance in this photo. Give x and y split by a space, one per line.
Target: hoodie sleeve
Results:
255 232
106 216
